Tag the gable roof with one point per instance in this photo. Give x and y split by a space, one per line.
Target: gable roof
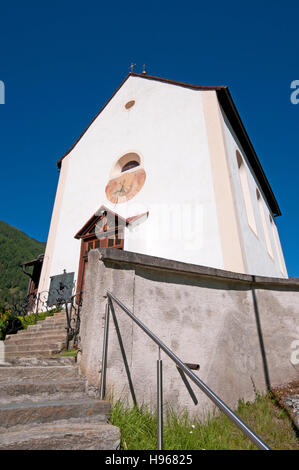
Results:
96 217
226 101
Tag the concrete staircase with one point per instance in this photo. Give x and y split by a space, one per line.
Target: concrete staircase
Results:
43 339
44 402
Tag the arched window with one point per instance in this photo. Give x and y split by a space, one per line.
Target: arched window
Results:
128 161
129 165
246 193
264 223
277 245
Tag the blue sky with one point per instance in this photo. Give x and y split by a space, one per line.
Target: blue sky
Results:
61 61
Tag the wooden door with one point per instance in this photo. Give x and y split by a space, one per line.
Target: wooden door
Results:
88 243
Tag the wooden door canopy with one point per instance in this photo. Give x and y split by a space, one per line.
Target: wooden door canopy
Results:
105 223
105 229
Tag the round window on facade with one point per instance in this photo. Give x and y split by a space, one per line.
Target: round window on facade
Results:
129 104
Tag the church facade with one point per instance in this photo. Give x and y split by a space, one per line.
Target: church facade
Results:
165 169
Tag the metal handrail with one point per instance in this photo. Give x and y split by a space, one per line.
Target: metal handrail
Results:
203 387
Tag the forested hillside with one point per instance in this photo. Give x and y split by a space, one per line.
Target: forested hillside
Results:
15 248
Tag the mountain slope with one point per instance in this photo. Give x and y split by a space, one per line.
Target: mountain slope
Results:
15 248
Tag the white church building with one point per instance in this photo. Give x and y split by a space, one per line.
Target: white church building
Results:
164 169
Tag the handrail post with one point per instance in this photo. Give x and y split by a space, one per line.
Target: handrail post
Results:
159 402
123 352
187 385
202 386
104 355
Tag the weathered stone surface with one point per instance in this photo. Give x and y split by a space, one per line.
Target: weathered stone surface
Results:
43 339
22 391
48 327
38 345
26 338
46 372
63 436
46 353
45 412
292 401
44 402
239 328
43 361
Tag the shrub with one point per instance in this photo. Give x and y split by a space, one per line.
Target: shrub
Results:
10 323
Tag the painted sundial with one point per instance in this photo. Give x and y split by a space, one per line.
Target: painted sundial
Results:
125 186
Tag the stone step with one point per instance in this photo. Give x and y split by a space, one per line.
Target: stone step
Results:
14 414
26 390
57 314
58 371
27 339
38 353
34 328
53 320
42 361
62 436
49 320
33 342
44 333
60 326
53 323
46 327
39 344
33 331
33 346
48 331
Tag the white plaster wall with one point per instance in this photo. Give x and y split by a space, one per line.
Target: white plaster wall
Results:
166 127
258 259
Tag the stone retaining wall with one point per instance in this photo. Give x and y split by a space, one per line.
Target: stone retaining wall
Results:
240 329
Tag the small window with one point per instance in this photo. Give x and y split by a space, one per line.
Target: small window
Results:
128 166
128 161
129 104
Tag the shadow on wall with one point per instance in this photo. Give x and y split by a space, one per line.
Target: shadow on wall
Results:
163 278
261 341
236 326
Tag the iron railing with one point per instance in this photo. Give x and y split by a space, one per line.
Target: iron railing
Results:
183 368
37 303
72 307
73 318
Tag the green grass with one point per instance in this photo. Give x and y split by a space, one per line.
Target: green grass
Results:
28 320
69 353
181 432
